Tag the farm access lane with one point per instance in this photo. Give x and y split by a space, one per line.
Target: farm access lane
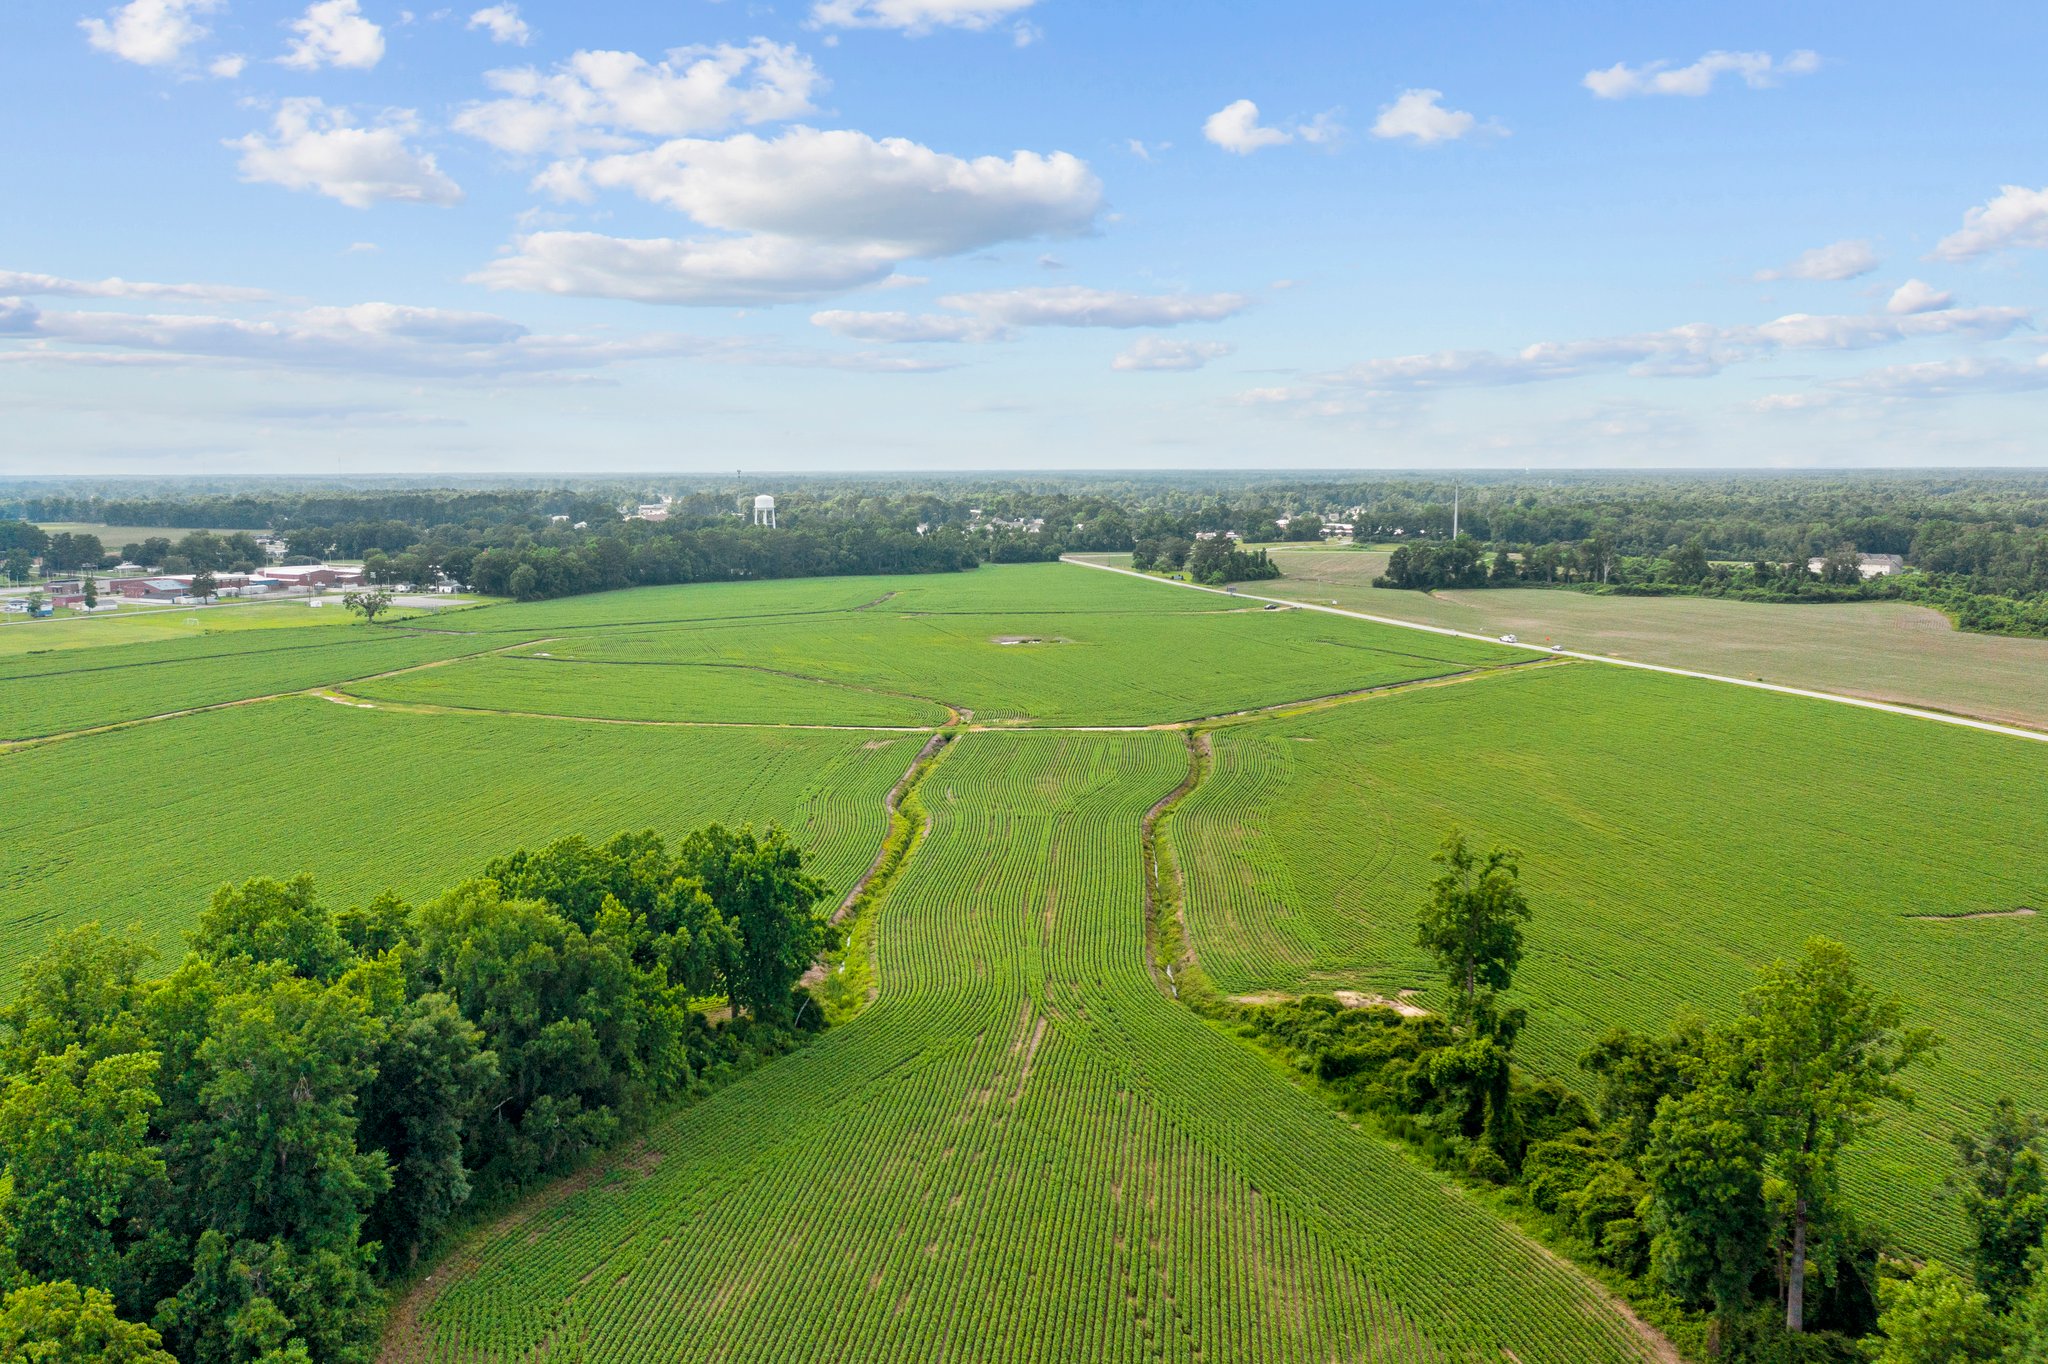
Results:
1914 712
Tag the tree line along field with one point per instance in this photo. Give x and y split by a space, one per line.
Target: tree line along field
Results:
1676 833
1885 651
1022 1151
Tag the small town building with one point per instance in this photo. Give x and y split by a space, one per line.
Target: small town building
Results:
1871 565
315 576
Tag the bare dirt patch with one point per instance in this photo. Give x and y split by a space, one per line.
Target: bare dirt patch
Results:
1027 639
2016 912
1358 999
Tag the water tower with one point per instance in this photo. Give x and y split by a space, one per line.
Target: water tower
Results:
764 510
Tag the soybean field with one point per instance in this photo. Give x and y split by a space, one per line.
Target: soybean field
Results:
1676 833
1022 1151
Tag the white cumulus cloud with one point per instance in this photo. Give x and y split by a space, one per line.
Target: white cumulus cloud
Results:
908 327
1168 353
1836 261
1236 128
1755 69
916 17
504 24
712 271
2017 217
1074 305
312 146
1420 116
334 33
227 68
605 100
149 32
1692 350
848 188
1918 296
997 314
20 283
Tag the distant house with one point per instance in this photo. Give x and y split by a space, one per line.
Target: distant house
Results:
1872 565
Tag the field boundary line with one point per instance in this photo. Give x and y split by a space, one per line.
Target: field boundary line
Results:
322 689
1862 703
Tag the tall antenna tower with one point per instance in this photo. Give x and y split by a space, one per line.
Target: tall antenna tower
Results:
1454 511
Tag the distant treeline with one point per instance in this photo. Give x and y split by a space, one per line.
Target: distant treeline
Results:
1979 539
2008 596
225 1161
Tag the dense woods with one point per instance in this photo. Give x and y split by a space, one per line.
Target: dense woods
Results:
225 1161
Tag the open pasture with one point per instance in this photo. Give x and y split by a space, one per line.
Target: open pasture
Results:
140 825
1677 833
1023 1151
1885 651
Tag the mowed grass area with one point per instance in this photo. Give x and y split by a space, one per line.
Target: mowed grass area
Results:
1677 833
1022 1151
140 825
1034 644
1885 651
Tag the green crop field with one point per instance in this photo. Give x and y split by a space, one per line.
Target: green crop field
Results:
1001 643
723 693
1677 833
1026 1149
370 799
43 694
1023 1151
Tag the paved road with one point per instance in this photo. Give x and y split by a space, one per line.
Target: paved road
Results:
1915 712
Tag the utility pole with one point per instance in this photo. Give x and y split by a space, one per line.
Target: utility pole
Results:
1454 511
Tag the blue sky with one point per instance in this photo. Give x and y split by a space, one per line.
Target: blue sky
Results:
345 236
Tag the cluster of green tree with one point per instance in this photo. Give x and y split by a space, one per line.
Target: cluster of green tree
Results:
1707 1168
646 553
197 551
22 543
1214 560
223 1161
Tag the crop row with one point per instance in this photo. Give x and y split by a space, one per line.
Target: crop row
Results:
366 799
537 680
1676 834
1020 1152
